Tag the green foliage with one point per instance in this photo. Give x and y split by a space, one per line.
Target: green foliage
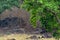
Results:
7 4
46 11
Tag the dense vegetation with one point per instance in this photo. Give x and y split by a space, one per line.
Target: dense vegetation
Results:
47 12
7 4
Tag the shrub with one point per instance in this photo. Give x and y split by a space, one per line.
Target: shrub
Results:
7 4
47 11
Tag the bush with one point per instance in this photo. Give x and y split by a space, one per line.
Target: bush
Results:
47 11
7 4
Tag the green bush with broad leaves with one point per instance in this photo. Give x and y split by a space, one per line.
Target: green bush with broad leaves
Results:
47 12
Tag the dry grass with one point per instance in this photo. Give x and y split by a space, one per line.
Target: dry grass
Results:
21 37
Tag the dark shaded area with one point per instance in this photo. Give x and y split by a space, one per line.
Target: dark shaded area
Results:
14 21
18 25
43 31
